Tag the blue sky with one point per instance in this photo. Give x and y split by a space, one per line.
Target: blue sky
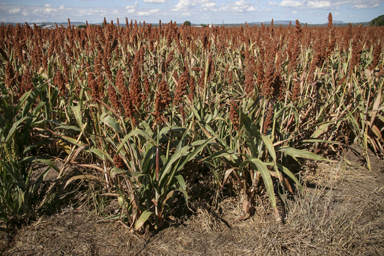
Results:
196 11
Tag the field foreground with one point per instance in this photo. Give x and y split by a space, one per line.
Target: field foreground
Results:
342 214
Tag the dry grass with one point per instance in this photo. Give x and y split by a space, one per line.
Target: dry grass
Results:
343 216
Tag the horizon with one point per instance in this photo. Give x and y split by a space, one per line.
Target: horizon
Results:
122 22
195 11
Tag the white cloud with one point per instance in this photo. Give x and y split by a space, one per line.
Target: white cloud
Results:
273 3
47 5
291 3
208 5
360 6
154 1
148 12
241 6
62 7
185 5
294 12
16 10
131 8
319 4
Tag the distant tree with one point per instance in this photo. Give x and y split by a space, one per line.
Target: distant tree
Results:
379 21
82 26
187 23
204 25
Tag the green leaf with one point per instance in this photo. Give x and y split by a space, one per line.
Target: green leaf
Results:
22 101
69 139
77 112
68 127
145 135
193 109
181 181
143 218
320 130
111 122
229 154
132 133
290 175
252 134
320 141
270 147
14 128
262 168
302 154
169 164
194 153
115 171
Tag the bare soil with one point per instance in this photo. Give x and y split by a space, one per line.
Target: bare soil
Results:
340 212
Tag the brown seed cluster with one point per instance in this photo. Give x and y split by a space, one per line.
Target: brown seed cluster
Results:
233 115
145 68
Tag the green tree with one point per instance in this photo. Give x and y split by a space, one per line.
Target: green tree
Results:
187 23
379 21
82 26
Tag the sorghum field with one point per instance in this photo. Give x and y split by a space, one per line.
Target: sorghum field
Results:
152 127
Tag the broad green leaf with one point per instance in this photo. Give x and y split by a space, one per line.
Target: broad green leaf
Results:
262 168
101 154
169 164
14 128
302 154
132 133
68 127
194 153
145 135
22 101
227 153
269 145
252 134
111 122
69 139
181 181
320 130
193 109
116 171
36 110
77 112
143 218
290 175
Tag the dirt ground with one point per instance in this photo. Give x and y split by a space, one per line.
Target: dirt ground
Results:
340 212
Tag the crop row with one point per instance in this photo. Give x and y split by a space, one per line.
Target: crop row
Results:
141 108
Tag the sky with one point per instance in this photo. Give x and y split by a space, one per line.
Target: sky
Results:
195 11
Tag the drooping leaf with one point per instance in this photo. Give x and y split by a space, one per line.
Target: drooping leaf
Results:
302 154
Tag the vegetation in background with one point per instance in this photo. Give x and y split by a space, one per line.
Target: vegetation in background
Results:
378 21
